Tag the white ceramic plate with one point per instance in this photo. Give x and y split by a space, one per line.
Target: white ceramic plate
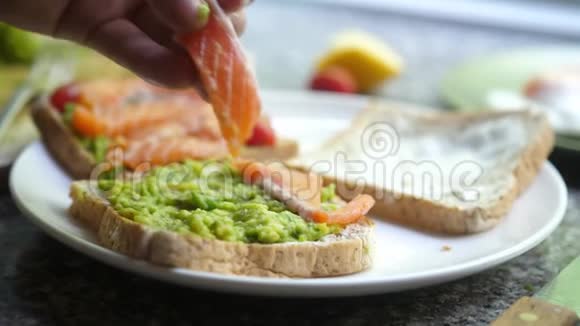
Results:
405 259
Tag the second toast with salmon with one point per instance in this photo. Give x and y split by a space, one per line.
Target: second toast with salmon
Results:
172 126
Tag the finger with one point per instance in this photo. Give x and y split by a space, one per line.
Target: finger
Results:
181 15
239 21
231 6
149 23
81 17
126 44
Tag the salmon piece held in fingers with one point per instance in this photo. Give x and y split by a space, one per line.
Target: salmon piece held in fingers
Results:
226 76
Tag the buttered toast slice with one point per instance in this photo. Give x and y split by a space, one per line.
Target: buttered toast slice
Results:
454 173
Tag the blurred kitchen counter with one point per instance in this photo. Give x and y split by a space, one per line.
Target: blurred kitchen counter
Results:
43 282
285 41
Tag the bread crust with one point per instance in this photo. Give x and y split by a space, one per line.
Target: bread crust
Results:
60 142
334 255
434 217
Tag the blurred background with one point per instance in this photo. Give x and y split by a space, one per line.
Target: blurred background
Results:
446 54
432 36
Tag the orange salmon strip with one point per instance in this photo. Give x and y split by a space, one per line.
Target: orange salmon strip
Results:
196 117
162 151
354 210
87 123
226 77
304 186
288 186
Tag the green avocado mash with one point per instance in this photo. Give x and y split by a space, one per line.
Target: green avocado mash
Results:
209 199
97 146
67 115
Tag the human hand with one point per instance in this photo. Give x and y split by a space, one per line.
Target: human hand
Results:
137 34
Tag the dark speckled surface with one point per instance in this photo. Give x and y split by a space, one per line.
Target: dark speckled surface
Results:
45 283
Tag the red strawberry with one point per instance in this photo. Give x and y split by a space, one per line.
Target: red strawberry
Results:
334 79
263 135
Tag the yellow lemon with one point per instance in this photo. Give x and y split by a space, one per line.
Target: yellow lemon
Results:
369 60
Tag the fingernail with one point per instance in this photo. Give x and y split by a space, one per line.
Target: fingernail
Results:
203 11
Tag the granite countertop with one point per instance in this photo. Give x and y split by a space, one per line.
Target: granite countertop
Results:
43 282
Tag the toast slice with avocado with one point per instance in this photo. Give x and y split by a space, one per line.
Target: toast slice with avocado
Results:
82 124
206 216
443 172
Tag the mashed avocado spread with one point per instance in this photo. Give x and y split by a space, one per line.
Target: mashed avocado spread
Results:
97 146
209 199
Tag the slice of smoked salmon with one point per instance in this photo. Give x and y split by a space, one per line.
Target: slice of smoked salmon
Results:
148 124
137 119
304 186
157 126
144 115
162 151
85 120
301 193
109 93
351 212
226 77
167 129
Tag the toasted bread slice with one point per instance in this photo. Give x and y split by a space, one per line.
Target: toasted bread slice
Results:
78 162
345 253
452 173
